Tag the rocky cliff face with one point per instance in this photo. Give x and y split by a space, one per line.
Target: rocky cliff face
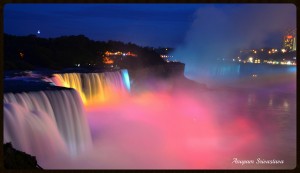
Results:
14 159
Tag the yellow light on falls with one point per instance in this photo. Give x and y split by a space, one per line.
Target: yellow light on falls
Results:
94 88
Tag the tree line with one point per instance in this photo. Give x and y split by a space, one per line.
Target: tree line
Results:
32 52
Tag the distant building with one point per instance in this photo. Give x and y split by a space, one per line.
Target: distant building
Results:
115 59
165 53
294 44
289 40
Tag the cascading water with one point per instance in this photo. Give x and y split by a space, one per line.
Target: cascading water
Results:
30 131
182 128
34 120
95 88
56 119
214 73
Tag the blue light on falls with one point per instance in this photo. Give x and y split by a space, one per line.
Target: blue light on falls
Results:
125 77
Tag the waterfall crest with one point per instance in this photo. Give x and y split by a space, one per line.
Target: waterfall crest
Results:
95 88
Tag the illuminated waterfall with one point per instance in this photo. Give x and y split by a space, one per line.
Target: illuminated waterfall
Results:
222 70
52 123
46 122
126 79
95 88
32 131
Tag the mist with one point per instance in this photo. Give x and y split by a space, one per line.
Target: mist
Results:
182 128
218 33
162 124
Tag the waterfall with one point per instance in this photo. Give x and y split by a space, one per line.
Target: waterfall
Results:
95 88
32 132
51 122
46 122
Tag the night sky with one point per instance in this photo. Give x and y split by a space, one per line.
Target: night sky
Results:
166 25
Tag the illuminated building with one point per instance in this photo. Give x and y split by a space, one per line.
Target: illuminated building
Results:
289 40
107 53
165 53
271 56
107 60
166 56
294 44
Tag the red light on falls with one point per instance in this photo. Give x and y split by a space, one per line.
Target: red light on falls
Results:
289 36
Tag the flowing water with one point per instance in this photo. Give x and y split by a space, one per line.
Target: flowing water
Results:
180 128
34 115
95 88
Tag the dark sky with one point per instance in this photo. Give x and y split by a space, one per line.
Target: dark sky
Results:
152 25
144 24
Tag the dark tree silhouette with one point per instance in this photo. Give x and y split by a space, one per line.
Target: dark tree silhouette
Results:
30 52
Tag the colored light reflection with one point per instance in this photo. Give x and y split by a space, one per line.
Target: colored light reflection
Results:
179 130
167 128
96 88
126 79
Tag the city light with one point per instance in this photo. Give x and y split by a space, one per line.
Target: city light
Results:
21 55
107 53
250 59
166 56
258 58
289 40
274 50
107 60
